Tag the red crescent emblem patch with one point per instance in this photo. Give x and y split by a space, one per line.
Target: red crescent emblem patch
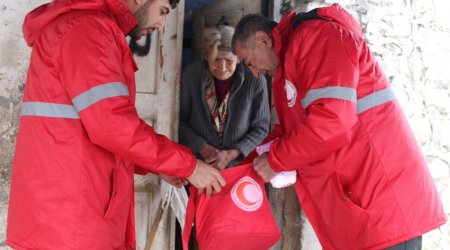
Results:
247 194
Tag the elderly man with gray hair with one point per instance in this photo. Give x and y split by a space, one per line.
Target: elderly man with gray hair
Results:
361 178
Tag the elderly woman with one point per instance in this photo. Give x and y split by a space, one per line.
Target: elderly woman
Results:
224 109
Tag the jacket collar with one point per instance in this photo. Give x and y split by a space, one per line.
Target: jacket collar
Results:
124 18
282 32
334 13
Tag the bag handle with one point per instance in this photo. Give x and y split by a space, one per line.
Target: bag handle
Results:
190 215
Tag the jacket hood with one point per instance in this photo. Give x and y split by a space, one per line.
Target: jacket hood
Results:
282 31
337 14
37 19
333 13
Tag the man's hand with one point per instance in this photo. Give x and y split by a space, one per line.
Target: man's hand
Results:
206 178
208 152
174 181
262 167
225 157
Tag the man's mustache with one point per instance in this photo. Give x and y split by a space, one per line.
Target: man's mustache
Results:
140 50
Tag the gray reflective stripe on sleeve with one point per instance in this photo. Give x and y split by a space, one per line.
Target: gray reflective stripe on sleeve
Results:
372 100
49 110
99 93
343 93
377 98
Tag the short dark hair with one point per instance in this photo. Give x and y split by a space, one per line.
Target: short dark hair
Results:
174 3
248 26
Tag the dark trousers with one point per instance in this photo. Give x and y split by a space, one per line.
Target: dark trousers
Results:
412 244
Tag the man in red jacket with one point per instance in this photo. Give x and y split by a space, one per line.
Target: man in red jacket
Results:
80 138
361 177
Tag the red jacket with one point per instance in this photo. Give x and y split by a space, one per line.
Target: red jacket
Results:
362 179
80 135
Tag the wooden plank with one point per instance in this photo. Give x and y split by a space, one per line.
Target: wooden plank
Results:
157 101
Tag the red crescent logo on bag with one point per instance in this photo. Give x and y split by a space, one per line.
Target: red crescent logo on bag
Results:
247 194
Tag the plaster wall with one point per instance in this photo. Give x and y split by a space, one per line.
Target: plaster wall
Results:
411 40
14 58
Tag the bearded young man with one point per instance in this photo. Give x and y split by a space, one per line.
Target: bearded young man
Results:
80 139
361 178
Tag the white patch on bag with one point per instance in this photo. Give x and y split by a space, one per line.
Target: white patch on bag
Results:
247 194
291 92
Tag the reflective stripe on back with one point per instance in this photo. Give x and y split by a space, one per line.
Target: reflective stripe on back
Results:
348 94
49 110
337 92
99 93
377 98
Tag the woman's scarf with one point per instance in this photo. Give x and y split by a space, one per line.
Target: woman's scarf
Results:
218 110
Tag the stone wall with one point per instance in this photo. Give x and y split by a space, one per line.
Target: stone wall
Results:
14 56
411 40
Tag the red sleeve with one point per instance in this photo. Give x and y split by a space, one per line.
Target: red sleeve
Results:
94 71
274 134
325 59
142 171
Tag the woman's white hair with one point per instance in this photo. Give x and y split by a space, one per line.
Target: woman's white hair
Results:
216 38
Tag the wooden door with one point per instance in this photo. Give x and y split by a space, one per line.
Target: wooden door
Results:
229 11
157 83
284 202
297 232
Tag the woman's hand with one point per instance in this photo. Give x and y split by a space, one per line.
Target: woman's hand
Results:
208 153
224 157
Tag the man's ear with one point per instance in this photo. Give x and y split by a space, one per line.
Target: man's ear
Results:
134 4
262 38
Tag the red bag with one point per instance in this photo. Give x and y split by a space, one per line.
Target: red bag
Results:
239 217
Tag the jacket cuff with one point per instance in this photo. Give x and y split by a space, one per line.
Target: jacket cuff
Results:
192 166
274 161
